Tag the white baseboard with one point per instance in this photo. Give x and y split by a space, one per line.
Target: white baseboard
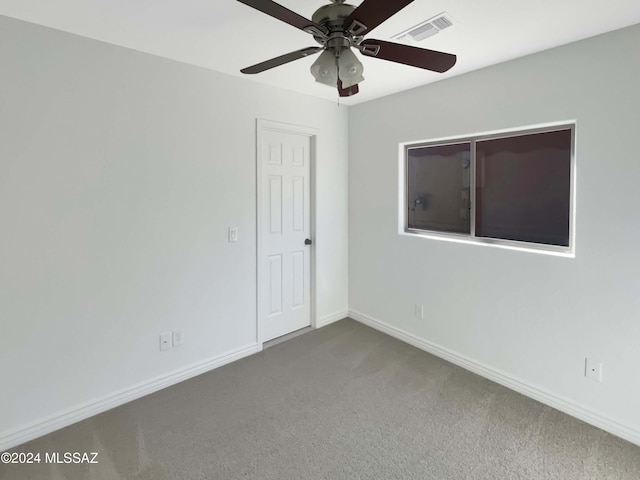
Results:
25 433
323 322
504 379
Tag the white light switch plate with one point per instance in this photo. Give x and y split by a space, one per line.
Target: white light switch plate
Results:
178 337
233 234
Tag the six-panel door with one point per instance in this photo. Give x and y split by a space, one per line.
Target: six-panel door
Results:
285 224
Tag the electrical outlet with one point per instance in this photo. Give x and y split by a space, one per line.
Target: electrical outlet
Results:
418 311
165 341
178 337
593 369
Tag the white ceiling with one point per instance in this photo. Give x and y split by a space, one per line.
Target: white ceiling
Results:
225 35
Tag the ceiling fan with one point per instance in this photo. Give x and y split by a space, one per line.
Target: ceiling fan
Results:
338 27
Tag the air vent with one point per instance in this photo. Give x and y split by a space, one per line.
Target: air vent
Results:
426 29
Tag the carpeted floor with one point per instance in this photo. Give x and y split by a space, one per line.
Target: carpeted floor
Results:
343 402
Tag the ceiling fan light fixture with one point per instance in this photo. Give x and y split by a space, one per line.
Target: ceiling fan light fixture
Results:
324 69
349 69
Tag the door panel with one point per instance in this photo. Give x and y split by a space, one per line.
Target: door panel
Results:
298 204
298 279
275 204
285 262
275 285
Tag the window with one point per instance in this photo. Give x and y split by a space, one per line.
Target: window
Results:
512 188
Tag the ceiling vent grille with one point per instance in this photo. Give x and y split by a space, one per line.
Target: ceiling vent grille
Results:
426 29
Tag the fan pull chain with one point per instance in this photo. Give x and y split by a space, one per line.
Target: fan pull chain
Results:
338 77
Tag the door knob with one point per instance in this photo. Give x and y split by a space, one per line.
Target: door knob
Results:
307 241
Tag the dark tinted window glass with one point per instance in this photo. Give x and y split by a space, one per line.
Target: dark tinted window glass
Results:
438 188
523 188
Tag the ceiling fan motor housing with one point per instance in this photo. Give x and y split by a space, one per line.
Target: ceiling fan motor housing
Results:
332 17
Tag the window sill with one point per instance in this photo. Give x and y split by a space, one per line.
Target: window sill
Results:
503 244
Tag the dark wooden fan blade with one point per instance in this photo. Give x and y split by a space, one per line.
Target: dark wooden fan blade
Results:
347 92
372 13
284 14
408 55
281 60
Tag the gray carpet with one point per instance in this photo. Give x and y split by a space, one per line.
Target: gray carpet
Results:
343 402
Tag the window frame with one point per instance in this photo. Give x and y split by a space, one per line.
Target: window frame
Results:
471 238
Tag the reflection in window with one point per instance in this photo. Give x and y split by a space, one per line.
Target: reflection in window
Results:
438 186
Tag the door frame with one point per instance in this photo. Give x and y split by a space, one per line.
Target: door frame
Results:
312 133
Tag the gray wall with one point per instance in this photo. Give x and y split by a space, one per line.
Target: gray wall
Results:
120 173
529 318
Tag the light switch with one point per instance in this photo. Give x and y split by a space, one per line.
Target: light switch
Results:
233 234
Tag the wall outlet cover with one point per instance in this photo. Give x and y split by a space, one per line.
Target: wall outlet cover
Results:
165 341
593 369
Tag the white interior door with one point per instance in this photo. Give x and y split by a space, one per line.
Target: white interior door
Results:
284 289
